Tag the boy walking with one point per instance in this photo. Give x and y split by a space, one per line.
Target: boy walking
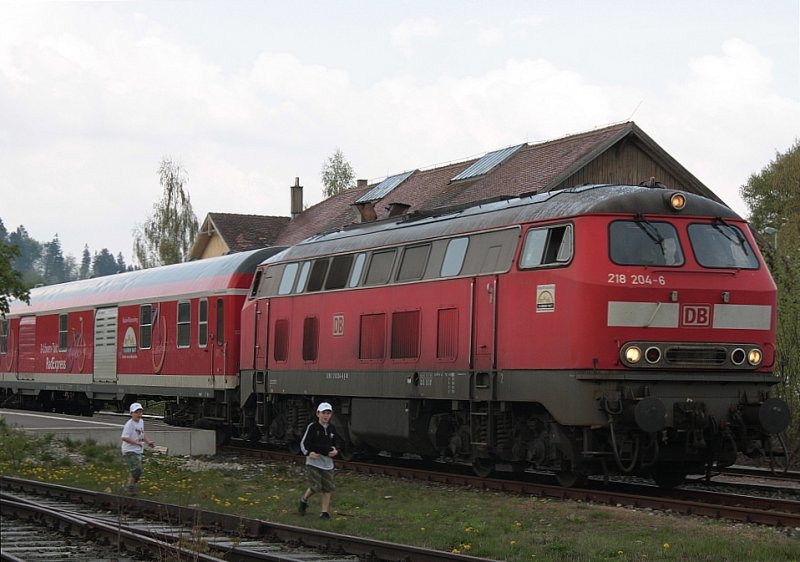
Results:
133 441
317 445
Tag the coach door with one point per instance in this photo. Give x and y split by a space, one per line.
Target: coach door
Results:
105 345
26 366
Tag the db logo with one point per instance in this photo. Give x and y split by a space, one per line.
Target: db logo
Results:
696 315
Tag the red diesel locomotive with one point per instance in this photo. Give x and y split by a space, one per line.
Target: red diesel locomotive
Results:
591 330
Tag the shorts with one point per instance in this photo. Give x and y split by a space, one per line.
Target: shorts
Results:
319 480
134 461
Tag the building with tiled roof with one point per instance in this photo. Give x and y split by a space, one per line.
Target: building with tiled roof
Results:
228 233
620 153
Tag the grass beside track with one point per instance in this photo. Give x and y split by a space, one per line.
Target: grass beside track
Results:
482 523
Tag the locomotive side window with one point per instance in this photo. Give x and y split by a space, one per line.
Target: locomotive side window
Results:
220 321
641 242
355 275
412 264
340 270
721 245
62 332
281 344
184 324
454 257
310 338
547 246
256 283
380 267
372 343
405 335
447 336
318 271
301 281
287 279
145 326
3 336
202 323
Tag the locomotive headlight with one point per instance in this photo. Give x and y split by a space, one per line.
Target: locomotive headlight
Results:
754 357
677 201
633 354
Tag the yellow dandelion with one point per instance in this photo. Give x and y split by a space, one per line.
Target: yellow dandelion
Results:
455 551
423 529
466 547
666 546
512 542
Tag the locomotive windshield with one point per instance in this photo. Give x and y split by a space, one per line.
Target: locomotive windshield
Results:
641 242
720 244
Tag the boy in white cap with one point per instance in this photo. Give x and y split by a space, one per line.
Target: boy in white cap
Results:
317 445
133 441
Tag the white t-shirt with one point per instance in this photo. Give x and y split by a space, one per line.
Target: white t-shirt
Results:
133 430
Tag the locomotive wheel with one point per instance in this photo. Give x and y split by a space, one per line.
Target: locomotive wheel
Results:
482 467
571 478
669 474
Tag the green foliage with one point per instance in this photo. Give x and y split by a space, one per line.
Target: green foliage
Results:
773 195
11 284
168 234
337 174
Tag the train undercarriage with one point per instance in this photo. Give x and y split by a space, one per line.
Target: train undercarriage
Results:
492 436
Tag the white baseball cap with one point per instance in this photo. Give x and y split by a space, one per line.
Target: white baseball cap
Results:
136 406
324 406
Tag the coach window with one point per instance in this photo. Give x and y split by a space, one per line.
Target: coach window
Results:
62 332
202 323
641 242
380 267
413 263
3 336
145 326
310 338
220 322
547 246
184 324
454 257
721 245
340 270
287 279
358 267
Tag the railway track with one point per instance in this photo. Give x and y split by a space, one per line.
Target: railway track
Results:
710 500
72 520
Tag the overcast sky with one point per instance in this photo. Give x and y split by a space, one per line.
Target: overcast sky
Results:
248 95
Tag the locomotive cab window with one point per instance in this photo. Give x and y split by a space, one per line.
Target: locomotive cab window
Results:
454 257
256 283
547 246
642 242
380 267
412 265
287 279
721 245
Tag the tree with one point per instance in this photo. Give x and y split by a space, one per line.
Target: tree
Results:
104 264
337 174
11 284
86 263
120 263
773 196
53 265
168 234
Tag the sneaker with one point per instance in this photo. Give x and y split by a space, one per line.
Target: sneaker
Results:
302 506
324 515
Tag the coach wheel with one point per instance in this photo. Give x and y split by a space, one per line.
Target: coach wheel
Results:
669 474
482 467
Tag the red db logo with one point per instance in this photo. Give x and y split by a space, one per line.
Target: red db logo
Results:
696 315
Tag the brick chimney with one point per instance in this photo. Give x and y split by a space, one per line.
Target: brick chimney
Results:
296 198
